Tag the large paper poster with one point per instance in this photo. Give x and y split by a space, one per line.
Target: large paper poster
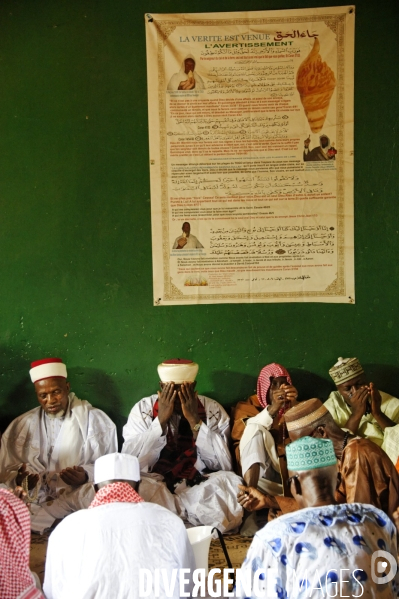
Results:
251 151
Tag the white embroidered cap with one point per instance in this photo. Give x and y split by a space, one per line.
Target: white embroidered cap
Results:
116 466
345 370
178 371
47 369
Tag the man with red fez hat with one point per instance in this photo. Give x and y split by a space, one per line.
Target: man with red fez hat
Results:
51 449
259 436
181 440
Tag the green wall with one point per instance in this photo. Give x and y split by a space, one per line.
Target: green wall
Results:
75 243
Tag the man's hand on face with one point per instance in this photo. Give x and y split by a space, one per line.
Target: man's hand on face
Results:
189 402
376 400
286 394
74 476
166 403
291 394
358 401
33 479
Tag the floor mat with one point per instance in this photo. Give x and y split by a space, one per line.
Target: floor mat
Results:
38 549
237 547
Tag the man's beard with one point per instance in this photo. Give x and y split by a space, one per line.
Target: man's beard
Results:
59 414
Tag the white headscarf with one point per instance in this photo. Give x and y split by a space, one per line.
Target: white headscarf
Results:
177 78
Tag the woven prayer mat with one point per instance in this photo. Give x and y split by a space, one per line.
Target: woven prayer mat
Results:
237 547
38 549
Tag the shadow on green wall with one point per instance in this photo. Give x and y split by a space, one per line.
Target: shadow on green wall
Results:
310 385
244 385
386 377
19 400
101 391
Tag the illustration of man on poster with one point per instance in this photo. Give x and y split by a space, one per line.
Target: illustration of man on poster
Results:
186 240
186 79
324 151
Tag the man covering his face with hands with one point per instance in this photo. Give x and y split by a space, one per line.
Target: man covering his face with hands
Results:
181 441
358 406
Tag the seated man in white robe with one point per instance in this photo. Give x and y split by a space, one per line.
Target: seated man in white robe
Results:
358 406
51 449
105 551
181 439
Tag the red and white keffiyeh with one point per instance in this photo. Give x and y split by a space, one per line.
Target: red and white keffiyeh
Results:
16 581
116 492
270 371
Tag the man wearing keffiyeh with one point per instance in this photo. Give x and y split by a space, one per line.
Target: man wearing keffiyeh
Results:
16 581
259 435
99 552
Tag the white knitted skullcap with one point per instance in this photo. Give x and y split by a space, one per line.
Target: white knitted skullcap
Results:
116 466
